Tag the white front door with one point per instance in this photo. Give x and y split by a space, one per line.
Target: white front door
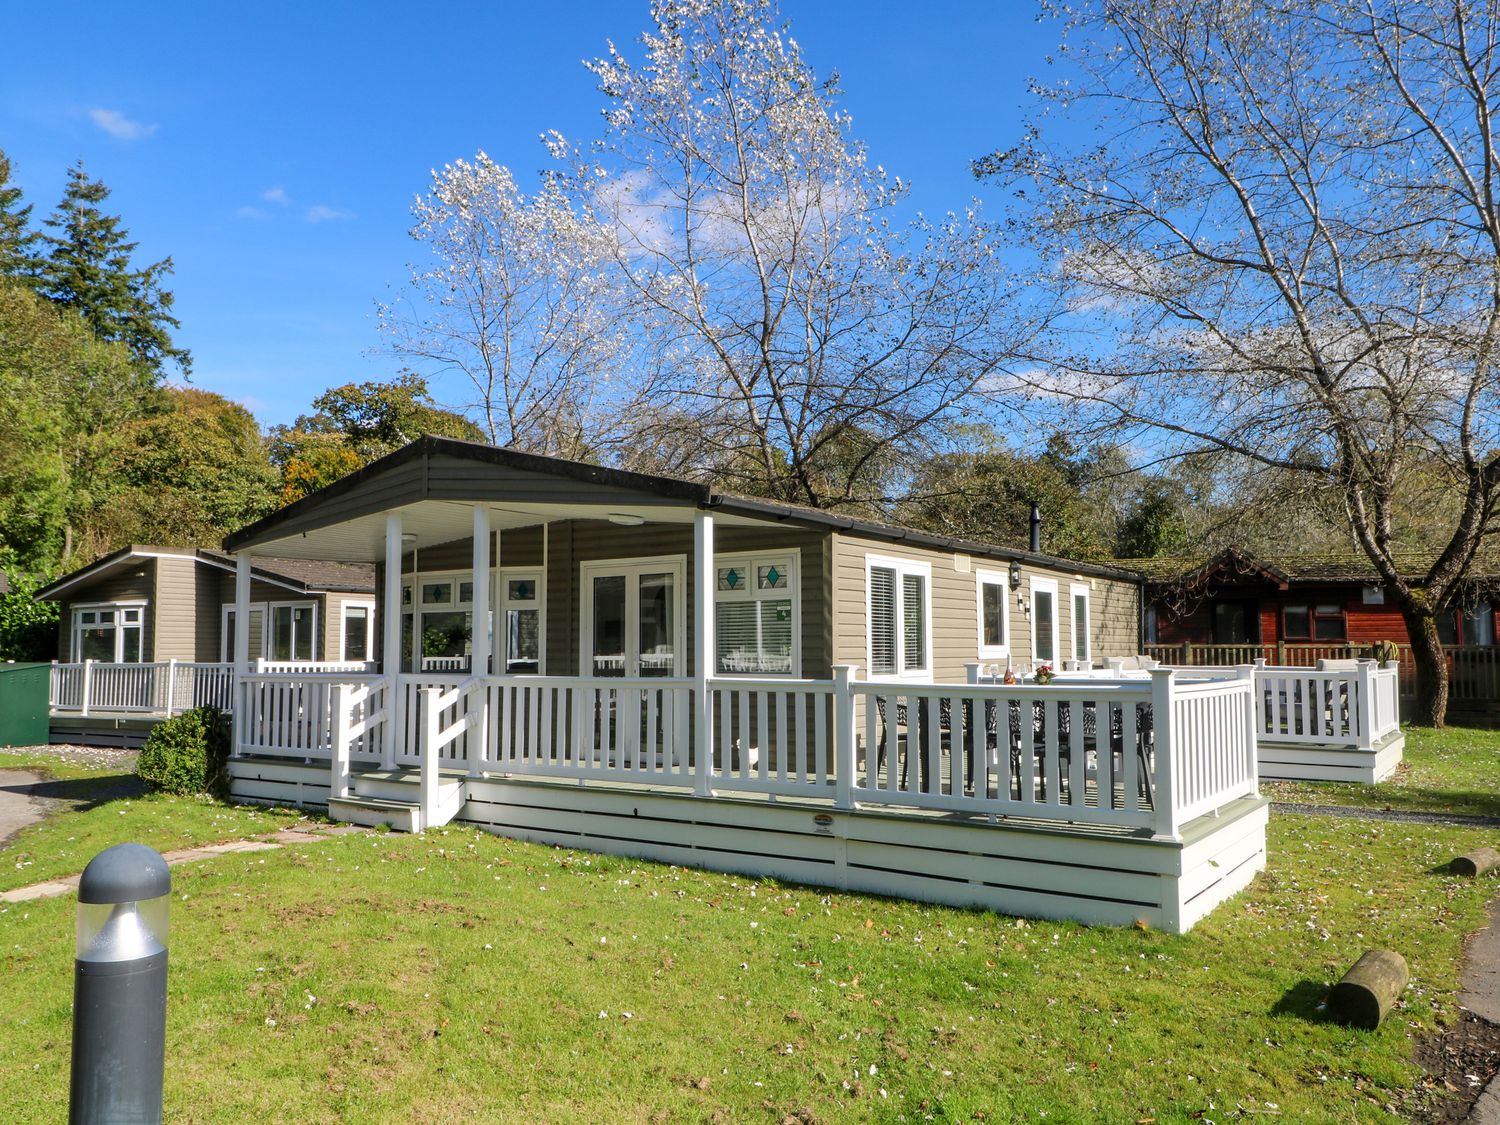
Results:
633 626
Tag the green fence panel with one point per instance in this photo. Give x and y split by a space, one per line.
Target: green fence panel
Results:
23 704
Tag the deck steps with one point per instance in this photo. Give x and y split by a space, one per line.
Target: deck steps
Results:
394 797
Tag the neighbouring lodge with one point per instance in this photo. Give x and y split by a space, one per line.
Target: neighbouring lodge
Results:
1237 598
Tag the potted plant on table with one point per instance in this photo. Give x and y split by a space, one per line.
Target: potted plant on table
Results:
1043 674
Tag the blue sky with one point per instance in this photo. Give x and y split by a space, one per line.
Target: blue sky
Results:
273 150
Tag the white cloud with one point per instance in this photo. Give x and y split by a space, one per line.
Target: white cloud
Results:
248 212
321 213
276 195
120 127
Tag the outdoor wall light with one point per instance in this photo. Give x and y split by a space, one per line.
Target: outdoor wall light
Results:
625 519
1015 575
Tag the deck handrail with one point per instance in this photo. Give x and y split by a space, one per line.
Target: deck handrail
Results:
150 689
1137 753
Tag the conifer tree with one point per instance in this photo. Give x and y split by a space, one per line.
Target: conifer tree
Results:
17 259
89 269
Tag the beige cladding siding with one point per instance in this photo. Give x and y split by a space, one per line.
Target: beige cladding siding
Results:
570 543
174 609
135 585
1114 607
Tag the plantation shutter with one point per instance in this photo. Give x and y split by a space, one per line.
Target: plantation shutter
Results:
882 620
913 619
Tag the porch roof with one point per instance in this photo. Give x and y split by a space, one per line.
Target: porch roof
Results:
434 482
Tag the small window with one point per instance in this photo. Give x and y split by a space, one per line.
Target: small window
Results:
292 632
522 615
1081 624
359 621
900 618
993 611
755 626
1479 625
1328 623
1297 623
437 593
1044 620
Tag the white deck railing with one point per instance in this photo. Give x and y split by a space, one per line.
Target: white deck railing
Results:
1142 754
96 689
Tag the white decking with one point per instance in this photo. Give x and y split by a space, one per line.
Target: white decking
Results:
1111 801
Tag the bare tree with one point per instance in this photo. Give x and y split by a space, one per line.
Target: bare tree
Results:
513 294
1285 244
818 344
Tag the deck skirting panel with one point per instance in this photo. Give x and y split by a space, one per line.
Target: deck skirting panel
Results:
1026 868
1283 761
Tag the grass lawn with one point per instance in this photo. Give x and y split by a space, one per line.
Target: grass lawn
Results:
463 977
111 807
1456 770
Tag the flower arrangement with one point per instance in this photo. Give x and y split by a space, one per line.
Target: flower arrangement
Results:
1043 674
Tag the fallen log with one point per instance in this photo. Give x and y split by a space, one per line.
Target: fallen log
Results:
1369 989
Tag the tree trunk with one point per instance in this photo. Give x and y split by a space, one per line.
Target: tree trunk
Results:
1432 668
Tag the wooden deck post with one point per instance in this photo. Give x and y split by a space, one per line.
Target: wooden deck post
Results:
1165 790
239 693
88 675
339 757
703 650
1252 707
843 736
427 781
479 644
1364 714
171 684
395 727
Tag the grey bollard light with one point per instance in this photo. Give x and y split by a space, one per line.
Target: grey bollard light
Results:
120 988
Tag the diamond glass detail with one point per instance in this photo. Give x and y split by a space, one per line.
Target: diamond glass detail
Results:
772 577
730 578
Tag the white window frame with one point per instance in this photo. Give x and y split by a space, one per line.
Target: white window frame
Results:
632 569
226 610
903 568
414 580
268 628
753 593
983 578
1078 590
500 607
1044 585
369 608
119 628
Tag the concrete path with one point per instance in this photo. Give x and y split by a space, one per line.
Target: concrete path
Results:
286 836
1479 992
18 807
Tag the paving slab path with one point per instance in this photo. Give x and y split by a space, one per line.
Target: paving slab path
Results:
52 888
18 806
1479 992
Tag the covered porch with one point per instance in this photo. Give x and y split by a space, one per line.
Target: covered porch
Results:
604 690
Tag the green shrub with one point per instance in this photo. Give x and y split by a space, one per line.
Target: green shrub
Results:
186 753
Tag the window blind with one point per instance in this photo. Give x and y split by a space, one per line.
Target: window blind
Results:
913 621
1080 627
882 620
